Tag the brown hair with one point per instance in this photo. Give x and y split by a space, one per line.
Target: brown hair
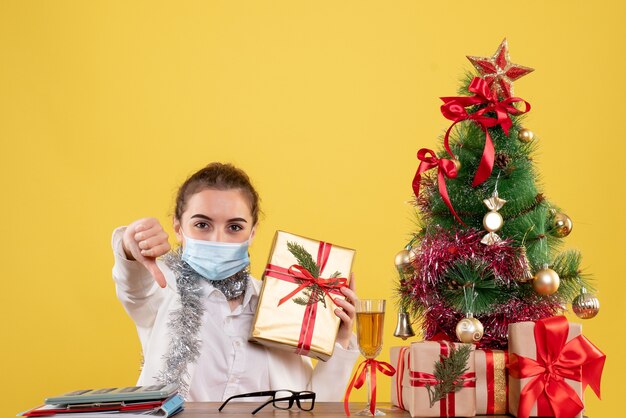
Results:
218 176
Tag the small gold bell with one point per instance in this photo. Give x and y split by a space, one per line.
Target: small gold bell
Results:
403 328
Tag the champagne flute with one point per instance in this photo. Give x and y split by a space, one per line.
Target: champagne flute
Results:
370 317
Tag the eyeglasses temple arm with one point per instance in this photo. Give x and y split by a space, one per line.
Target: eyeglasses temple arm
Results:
247 395
262 406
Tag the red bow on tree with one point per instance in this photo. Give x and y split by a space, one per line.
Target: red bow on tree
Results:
454 109
445 168
557 360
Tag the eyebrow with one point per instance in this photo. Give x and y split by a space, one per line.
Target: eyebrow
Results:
201 216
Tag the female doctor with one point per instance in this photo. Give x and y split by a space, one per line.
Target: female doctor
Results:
194 306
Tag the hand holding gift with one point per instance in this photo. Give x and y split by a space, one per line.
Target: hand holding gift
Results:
345 311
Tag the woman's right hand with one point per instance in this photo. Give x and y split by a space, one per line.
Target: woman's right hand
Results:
144 240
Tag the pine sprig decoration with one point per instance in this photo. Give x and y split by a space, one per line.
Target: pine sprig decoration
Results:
304 258
448 372
314 293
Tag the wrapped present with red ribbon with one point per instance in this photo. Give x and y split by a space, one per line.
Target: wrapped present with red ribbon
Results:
550 365
430 395
295 311
492 382
399 357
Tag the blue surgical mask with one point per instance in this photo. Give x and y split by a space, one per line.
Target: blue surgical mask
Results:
215 260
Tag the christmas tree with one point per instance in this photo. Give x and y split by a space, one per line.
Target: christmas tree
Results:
488 249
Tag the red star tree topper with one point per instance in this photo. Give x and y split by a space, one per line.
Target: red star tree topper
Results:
498 71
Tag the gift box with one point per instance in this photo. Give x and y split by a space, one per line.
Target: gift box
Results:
400 388
550 364
295 311
423 382
492 385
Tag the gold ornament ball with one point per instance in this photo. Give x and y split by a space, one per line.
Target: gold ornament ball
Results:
561 225
457 164
546 281
403 260
492 221
469 330
586 306
525 135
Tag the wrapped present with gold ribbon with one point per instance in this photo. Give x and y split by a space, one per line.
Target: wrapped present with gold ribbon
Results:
442 380
400 388
550 365
492 382
295 311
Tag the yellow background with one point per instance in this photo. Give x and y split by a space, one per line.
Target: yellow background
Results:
107 106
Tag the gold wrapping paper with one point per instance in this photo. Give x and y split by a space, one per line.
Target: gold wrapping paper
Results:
522 342
403 387
498 395
424 354
280 326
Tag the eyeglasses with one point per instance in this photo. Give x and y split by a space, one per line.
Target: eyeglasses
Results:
281 399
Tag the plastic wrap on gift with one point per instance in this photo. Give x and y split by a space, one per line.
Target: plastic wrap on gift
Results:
400 388
461 403
295 311
550 364
492 386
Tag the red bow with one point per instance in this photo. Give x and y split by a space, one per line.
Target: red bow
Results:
454 109
307 280
445 168
557 360
359 378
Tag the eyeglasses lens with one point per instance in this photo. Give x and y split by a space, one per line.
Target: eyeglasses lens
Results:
283 399
306 401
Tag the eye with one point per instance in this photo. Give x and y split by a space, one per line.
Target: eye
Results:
235 228
201 225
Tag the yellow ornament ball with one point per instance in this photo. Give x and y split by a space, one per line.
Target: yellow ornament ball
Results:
585 305
404 260
525 135
546 281
469 330
561 225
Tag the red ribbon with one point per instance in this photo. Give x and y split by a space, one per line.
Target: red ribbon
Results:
301 276
447 404
359 378
557 360
454 110
400 368
491 386
445 168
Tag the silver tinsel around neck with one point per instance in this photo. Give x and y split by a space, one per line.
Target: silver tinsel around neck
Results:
184 323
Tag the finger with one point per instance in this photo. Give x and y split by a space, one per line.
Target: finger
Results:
153 241
151 232
352 282
343 316
346 306
349 293
157 251
145 224
155 271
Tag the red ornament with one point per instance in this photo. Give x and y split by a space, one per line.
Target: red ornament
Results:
499 71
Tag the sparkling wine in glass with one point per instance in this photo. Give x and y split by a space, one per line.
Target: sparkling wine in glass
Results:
370 317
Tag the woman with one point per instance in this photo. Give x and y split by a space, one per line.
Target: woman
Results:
194 307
